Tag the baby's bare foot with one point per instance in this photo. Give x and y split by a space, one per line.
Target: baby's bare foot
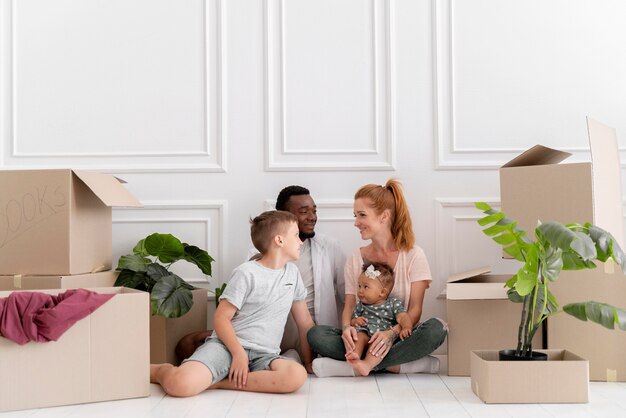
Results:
360 367
351 356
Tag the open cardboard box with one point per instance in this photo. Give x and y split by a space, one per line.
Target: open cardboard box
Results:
604 348
57 221
104 356
563 378
19 282
480 316
166 332
534 186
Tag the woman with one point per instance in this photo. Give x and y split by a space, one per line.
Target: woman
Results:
382 217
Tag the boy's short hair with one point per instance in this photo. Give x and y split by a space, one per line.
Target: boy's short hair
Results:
385 277
267 225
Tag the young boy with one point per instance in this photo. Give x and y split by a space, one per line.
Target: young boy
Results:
243 352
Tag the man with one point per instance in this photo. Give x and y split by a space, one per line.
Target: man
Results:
321 266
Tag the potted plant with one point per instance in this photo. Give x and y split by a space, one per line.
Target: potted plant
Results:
170 296
556 247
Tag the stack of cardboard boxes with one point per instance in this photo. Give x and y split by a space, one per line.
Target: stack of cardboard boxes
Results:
55 233
534 186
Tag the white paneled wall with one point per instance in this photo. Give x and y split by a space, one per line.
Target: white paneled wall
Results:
208 108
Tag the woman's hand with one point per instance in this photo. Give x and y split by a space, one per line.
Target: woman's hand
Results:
349 337
238 373
381 342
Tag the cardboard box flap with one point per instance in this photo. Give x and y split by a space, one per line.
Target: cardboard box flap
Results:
467 274
607 184
538 155
108 188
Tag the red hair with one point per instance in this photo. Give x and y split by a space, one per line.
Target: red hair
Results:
391 197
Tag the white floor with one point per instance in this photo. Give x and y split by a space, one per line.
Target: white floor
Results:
383 395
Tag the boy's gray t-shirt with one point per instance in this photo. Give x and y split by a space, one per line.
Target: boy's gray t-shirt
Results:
263 298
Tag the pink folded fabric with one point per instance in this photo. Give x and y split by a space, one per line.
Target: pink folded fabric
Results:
35 316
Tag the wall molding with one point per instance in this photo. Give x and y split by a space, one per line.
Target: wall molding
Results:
279 155
211 158
445 243
450 155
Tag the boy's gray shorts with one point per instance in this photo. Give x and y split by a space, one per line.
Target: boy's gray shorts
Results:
214 354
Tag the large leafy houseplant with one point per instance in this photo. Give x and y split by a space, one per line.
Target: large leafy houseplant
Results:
556 247
170 296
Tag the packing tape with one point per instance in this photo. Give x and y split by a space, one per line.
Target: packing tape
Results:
17 281
609 266
611 375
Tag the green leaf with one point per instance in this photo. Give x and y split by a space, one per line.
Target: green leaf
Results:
526 282
607 246
552 264
482 206
199 257
514 296
504 239
601 313
584 246
156 271
140 248
134 262
495 230
560 236
170 297
550 304
131 279
527 276
165 247
557 235
572 261
515 252
511 282
490 219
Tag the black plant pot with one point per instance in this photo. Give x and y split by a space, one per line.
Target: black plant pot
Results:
509 355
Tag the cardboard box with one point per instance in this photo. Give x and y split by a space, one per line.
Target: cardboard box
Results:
535 187
563 378
103 357
480 316
166 332
604 348
101 279
57 221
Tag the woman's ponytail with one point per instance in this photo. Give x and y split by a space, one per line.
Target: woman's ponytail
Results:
401 224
